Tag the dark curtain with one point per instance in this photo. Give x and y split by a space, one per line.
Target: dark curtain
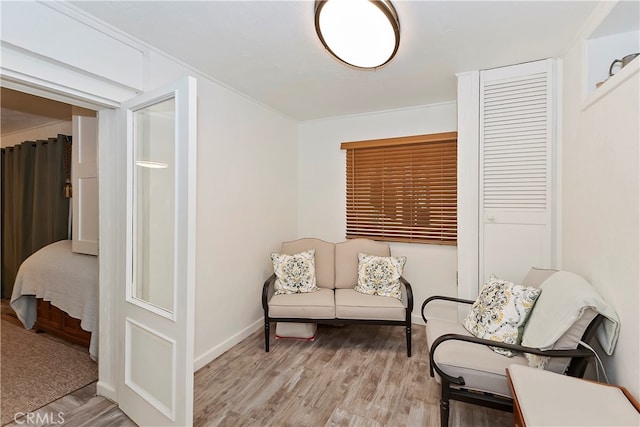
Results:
35 211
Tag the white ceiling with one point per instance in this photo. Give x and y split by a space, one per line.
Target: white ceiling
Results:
269 51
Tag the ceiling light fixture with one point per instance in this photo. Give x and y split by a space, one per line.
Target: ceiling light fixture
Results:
361 33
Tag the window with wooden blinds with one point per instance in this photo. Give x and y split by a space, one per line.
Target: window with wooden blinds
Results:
403 189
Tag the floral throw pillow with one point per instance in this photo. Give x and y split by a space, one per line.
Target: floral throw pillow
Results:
295 274
500 312
379 275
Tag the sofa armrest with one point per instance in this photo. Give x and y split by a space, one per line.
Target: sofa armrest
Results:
442 298
407 294
578 352
267 292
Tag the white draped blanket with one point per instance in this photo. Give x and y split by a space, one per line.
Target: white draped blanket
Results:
564 298
67 279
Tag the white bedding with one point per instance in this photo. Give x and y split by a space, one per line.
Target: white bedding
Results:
67 279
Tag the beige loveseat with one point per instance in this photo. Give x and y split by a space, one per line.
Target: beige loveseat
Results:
336 302
567 315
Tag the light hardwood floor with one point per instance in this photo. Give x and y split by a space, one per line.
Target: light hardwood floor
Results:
349 376
80 408
356 375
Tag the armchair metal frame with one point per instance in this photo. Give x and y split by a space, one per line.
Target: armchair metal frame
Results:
452 387
267 289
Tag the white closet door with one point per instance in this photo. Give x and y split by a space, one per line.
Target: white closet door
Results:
517 141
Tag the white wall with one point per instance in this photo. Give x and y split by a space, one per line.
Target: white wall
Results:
431 269
246 196
246 205
50 130
600 206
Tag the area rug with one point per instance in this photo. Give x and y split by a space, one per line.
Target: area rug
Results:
36 370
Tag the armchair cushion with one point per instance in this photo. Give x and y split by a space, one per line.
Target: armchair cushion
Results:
295 273
481 368
351 304
500 312
380 275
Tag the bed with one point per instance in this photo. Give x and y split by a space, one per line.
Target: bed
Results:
55 278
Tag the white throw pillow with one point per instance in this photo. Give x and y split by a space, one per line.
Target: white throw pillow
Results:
295 273
500 312
378 275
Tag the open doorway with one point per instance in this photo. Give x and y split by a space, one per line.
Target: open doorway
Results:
114 116
41 290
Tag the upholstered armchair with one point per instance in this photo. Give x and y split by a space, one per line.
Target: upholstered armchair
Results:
567 314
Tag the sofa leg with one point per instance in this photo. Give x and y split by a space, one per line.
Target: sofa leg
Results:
266 336
444 404
408 332
444 413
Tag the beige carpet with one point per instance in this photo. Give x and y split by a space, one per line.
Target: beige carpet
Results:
36 370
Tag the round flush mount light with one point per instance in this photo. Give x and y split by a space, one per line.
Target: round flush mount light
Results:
361 33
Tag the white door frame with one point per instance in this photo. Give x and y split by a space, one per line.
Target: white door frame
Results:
112 207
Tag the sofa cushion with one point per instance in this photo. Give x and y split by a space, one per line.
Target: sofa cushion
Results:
500 312
346 263
481 368
351 304
324 260
313 305
295 273
379 275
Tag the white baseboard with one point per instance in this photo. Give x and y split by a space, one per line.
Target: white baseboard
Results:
216 351
417 319
106 390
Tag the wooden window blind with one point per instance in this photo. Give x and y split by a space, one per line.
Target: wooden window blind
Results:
403 189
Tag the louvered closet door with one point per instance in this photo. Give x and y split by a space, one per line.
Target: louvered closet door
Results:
517 134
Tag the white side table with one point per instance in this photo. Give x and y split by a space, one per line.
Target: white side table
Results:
543 398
